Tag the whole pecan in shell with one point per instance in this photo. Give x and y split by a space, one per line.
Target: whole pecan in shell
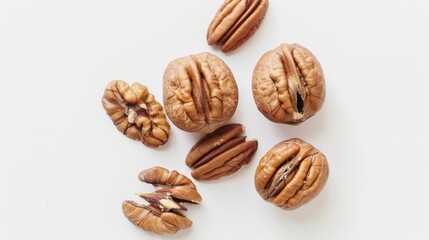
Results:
221 153
288 84
291 174
235 22
200 93
136 113
163 214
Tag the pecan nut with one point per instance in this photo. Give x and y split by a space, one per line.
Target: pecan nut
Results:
288 84
235 22
221 153
163 214
291 174
200 93
136 113
153 219
180 187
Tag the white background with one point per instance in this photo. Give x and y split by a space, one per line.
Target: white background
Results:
65 169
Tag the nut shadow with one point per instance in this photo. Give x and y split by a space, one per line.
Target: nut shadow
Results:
313 127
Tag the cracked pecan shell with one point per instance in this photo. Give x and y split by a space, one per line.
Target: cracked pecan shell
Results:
221 153
200 93
235 22
136 113
288 84
291 174
163 214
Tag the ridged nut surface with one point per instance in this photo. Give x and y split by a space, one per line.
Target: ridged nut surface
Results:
163 214
220 153
180 186
288 84
291 174
136 113
235 22
154 220
200 93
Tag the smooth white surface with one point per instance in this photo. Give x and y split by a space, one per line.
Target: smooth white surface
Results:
65 169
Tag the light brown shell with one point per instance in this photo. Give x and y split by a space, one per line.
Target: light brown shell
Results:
200 93
288 84
220 153
291 174
152 219
235 22
136 113
177 184
163 215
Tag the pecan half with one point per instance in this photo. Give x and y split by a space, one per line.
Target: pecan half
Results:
153 219
288 84
136 113
200 92
179 186
220 153
163 214
235 22
291 174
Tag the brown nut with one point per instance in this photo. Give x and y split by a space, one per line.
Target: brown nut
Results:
235 22
288 84
163 214
180 187
221 153
291 174
200 93
153 219
136 113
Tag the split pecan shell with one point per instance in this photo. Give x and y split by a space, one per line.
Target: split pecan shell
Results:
136 113
288 84
291 174
221 153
